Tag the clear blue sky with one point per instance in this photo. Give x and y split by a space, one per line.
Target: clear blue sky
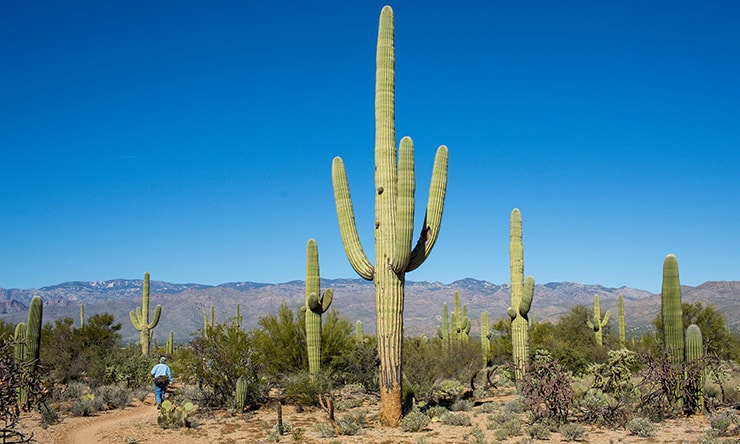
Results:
194 140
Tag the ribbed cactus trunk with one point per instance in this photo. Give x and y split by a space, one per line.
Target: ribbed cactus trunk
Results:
316 304
597 325
394 214
522 293
444 331
620 318
140 319
33 332
169 347
485 337
241 393
82 315
671 311
695 357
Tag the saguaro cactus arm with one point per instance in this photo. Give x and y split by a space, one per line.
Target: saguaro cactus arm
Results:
140 318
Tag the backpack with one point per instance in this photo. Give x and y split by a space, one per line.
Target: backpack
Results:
161 381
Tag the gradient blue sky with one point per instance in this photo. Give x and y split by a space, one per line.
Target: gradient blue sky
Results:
194 140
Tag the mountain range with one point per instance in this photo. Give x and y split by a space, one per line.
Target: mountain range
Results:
183 305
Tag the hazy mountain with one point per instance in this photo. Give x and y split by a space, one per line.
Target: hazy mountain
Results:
183 305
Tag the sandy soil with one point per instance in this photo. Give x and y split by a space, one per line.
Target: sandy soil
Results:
137 423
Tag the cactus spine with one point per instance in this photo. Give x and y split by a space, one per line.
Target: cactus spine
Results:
485 337
241 393
522 293
316 304
597 325
140 319
620 318
694 356
394 214
671 311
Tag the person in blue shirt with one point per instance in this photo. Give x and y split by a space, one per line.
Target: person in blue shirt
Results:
160 386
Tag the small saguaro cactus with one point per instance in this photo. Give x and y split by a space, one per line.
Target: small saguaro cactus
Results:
444 331
485 337
241 393
522 293
671 312
169 347
316 304
359 334
82 315
395 185
694 357
598 324
620 318
140 319
237 318
460 322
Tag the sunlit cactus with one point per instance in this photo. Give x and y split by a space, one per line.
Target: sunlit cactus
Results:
140 318
598 324
485 337
316 304
695 362
671 311
620 318
444 331
522 293
395 185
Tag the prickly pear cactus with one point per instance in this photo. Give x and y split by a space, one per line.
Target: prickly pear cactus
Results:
174 417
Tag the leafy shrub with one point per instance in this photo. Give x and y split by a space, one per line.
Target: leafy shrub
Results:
456 419
539 431
641 427
572 432
302 388
415 421
352 423
113 396
546 389
325 430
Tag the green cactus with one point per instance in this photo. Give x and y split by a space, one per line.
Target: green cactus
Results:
485 337
208 323
597 325
359 335
460 323
316 304
82 316
33 332
522 293
20 342
671 312
169 347
241 393
394 213
695 356
237 318
444 331
620 319
173 417
140 319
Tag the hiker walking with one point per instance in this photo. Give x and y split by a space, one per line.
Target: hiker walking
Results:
162 377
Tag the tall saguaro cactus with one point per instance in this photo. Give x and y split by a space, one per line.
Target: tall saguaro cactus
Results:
620 318
316 304
140 319
671 312
522 293
394 214
33 332
485 337
598 324
444 331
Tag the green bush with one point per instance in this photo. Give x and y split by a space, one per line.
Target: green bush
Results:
572 432
84 407
113 396
641 427
415 421
538 431
352 423
456 419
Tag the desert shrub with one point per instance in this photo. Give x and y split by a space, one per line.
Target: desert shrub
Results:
435 412
129 368
357 365
85 406
280 342
415 421
538 431
72 391
641 427
546 389
488 407
721 421
112 396
661 386
303 389
516 405
505 424
456 419
461 405
218 360
476 436
572 432
325 430
352 423
597 407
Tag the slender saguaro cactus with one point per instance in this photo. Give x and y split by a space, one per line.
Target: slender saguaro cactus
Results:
485 337
695 355
522 292
359 334
169 347
620 318
82 315
140 319
237 318
316 304
460 322
444 331
241 393
671 311
597 325
394 213
33 332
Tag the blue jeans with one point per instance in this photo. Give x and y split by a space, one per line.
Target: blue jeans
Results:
159 394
